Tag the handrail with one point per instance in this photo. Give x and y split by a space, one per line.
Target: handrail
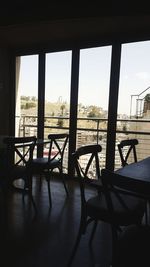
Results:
96 128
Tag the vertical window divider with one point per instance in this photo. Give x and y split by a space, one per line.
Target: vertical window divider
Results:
41 101
113 103
12 98
73 107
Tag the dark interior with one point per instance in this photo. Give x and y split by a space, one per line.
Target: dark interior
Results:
28 27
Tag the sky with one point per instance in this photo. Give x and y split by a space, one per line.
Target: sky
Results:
94 74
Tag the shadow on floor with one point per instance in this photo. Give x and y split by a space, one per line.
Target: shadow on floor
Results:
47 240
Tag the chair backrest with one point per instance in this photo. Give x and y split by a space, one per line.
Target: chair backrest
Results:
86 161
57 147
87 167
19 150
127 148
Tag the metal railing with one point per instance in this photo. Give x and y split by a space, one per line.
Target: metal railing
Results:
93 130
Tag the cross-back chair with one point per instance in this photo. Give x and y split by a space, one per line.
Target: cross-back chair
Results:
117 208
88 174
126 208
19 153
46 165
128 154
127 148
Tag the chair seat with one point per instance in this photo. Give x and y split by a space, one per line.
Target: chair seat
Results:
97 208
96 183
43 164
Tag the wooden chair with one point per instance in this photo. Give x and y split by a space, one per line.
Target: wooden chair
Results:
19 153
116 208
88 174
125 207
46 165
128 154
127 148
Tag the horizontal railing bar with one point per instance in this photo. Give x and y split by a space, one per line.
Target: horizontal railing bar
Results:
83 118
89 129
98 131
133 132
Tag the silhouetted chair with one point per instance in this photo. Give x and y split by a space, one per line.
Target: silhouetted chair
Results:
19 156
114 207
127 148
128 154
125 208
46 165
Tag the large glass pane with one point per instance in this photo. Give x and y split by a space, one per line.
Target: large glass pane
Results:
26 95
94 81
134 97
57 94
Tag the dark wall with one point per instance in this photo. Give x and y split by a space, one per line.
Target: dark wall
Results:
5 91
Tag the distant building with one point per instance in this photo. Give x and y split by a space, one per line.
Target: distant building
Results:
146 109
143 149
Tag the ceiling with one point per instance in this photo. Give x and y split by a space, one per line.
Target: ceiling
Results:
25 23
17 11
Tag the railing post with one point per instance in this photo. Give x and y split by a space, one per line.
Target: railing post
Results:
24 126
97 130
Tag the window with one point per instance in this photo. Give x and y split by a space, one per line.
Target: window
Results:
134 92
26 95
94 78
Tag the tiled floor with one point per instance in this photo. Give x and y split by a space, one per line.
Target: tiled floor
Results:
47 240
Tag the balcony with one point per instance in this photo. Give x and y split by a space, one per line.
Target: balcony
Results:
93 130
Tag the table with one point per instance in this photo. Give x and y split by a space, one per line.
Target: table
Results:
138 175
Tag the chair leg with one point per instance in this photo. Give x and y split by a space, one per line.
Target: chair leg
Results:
31 196
65 187
80 232
28 187
93 232
49 193
33 202
64 183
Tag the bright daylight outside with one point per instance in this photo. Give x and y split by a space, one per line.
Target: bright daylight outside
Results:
94 76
